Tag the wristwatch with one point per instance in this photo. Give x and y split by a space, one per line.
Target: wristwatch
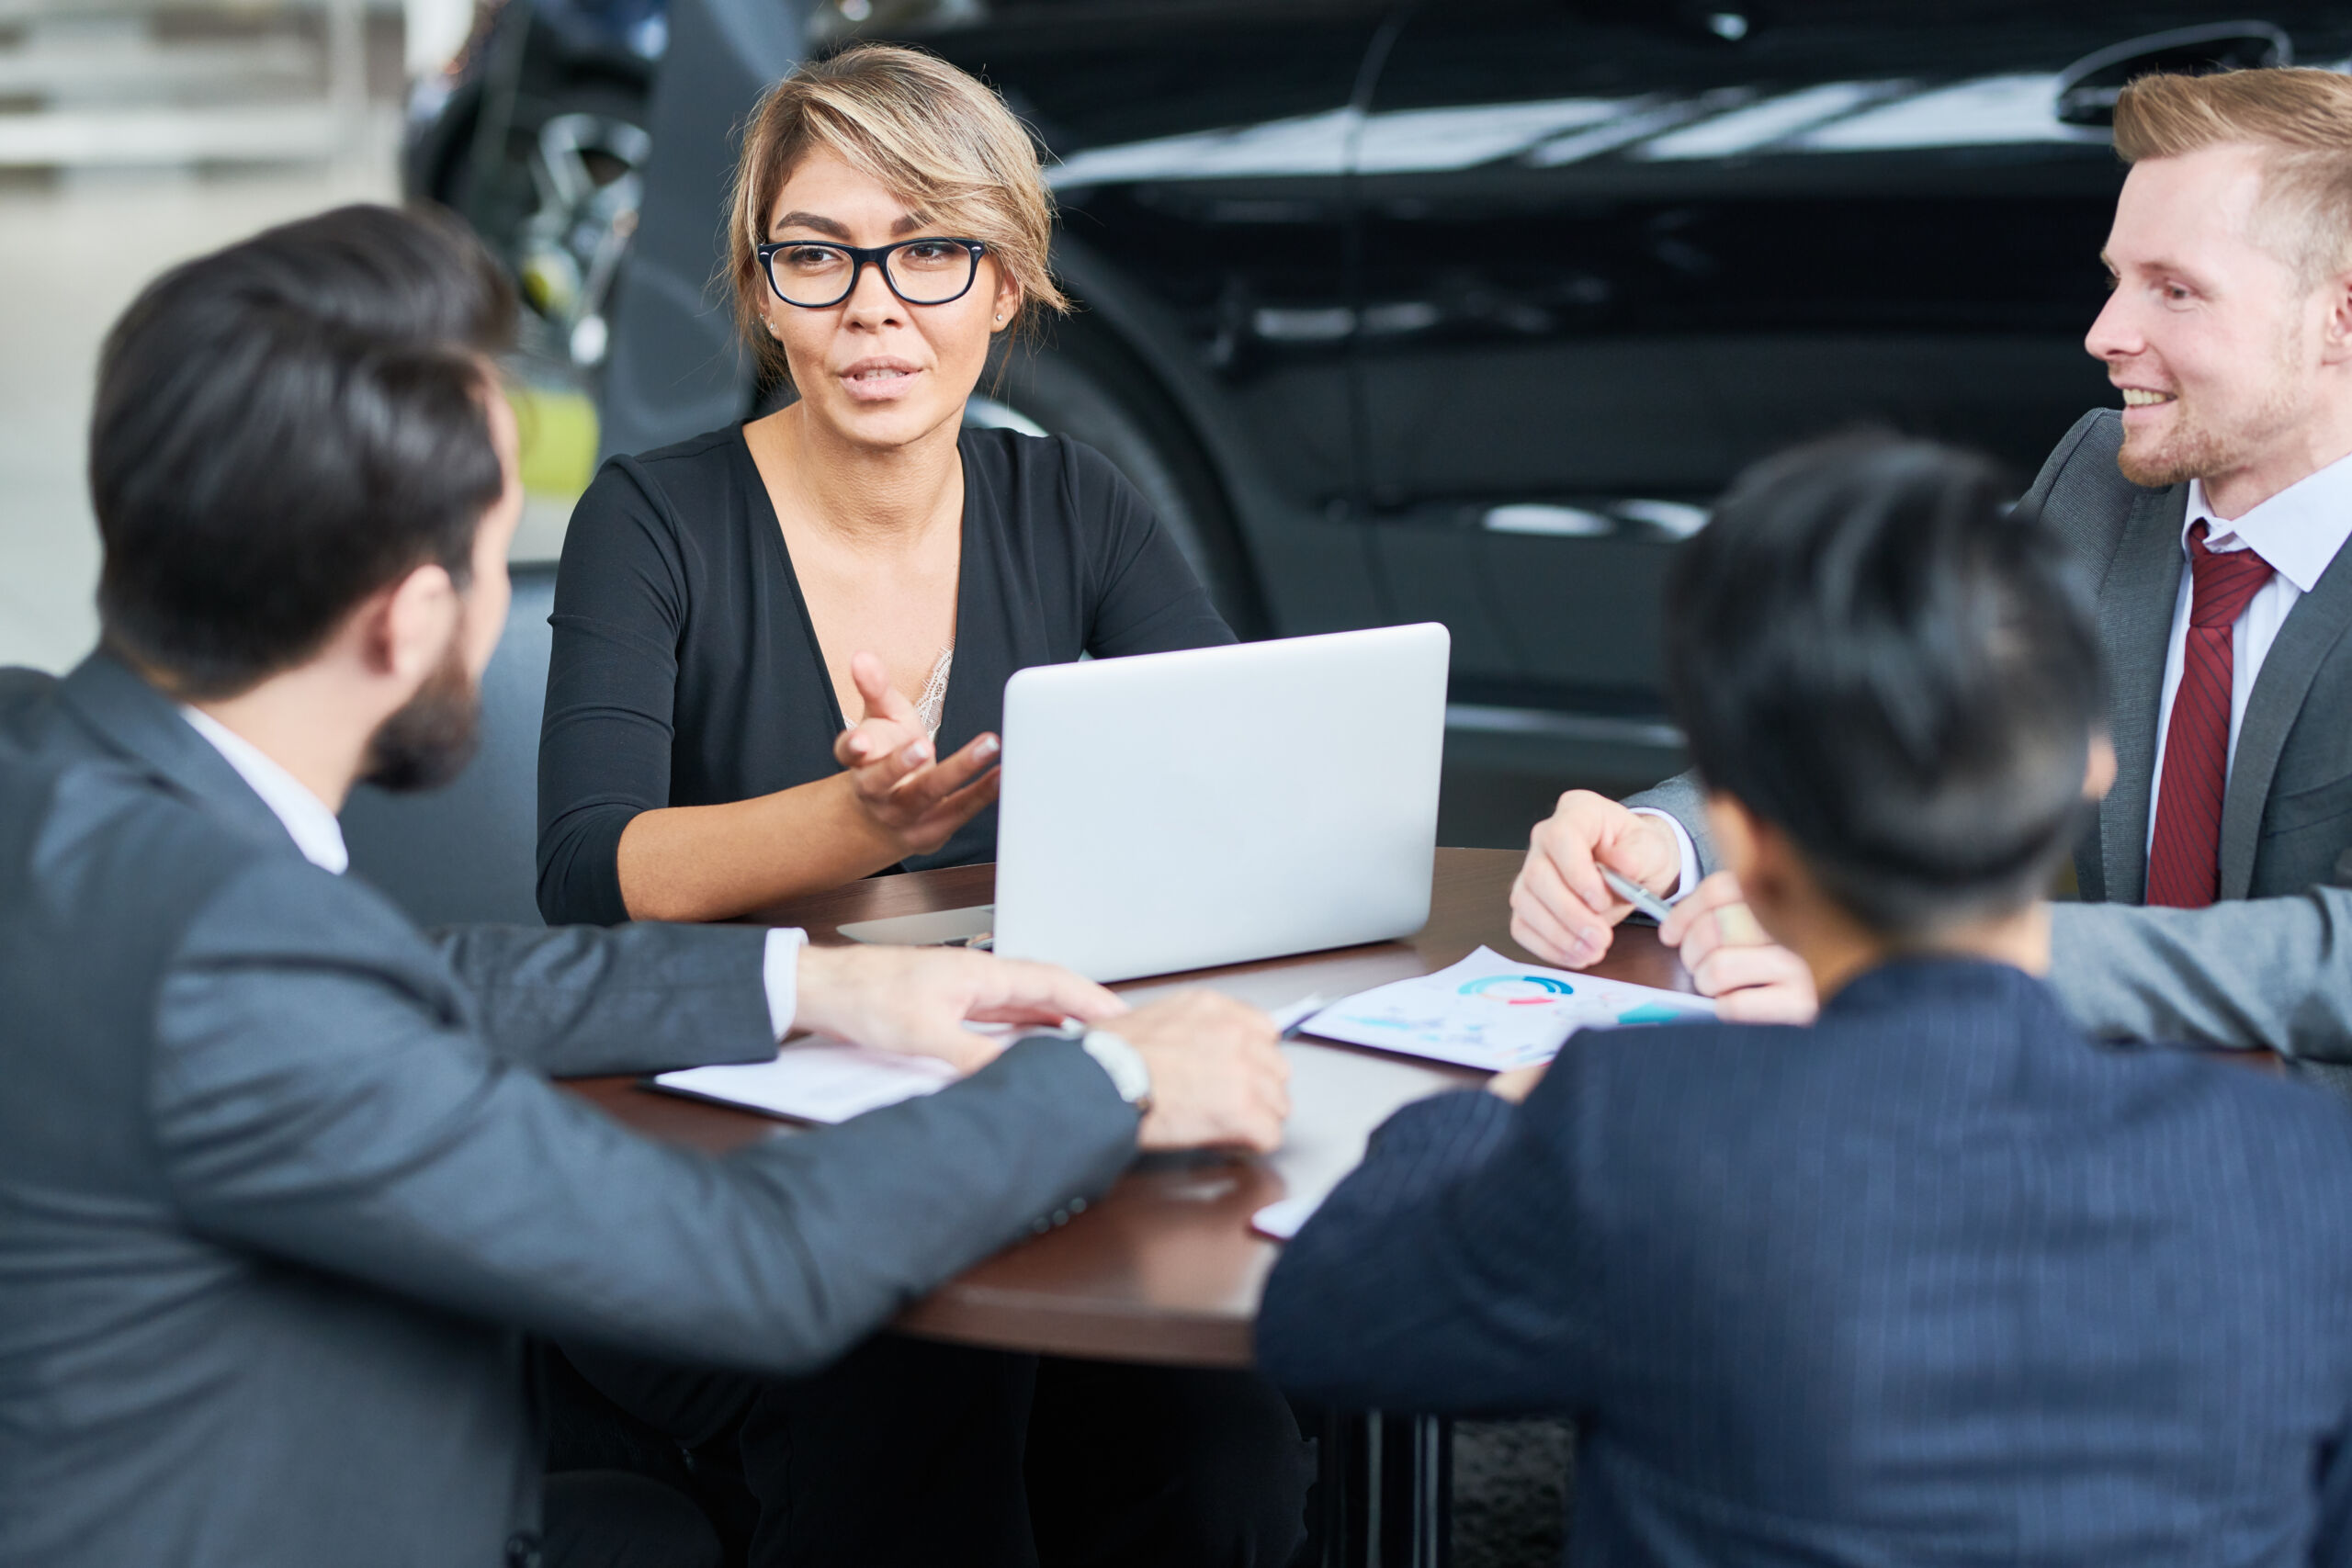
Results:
1129 1075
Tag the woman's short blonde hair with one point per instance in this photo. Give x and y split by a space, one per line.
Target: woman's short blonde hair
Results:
2300 120
938 139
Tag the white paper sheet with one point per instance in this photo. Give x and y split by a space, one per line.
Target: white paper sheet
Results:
1490 1012
828 1081
816 1081
1282 1218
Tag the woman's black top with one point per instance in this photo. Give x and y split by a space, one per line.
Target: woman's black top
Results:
685 670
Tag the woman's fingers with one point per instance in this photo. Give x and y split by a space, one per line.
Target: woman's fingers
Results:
879 778
919 794
928 832
883 700
890 720
872 740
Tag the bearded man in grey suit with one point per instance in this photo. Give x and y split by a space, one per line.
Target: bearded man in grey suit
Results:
282 1181
2210 513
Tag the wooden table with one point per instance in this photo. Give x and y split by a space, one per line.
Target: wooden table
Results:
1165 1267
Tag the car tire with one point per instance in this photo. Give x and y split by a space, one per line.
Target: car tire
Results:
1077 386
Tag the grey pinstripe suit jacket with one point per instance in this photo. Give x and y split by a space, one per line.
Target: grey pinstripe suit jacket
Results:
1934 1282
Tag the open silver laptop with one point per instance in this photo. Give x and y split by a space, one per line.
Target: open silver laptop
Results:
1174 811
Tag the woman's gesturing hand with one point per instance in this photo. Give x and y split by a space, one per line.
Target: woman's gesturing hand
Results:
910 794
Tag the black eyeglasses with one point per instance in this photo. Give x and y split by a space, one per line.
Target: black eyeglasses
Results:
816 274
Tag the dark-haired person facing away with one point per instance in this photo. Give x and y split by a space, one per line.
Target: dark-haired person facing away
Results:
1936 1279
280 1177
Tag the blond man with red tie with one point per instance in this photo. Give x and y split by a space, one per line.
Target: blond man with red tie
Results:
2210 512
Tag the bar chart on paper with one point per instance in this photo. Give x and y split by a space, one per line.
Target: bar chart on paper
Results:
1490 1012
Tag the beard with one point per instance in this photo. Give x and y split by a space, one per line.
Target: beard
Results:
428 740
2202 445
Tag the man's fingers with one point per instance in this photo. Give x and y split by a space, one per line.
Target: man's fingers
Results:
1517 1084
1046 989
1270 1074
1790 999
1766 1004
1535 943
1699 938
1639 848
1739 927
1716 892
1680 920
1729 968
1758 984
1566 853
1259 1128
948 1040
1579 933
1535 929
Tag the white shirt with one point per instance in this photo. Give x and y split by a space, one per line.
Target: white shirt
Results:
307 820
2298 531
318 836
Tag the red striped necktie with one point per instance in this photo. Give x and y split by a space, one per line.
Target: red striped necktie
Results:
2185 859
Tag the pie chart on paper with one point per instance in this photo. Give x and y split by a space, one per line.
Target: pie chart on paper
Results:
1519 990
1490 1012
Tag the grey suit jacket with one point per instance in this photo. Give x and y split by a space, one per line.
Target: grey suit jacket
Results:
281 1179
2267 973
2287 816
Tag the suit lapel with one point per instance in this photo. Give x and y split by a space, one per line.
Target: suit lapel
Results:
2135 606
2314 627
145 726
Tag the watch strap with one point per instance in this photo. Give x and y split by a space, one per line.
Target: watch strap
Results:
1128 1072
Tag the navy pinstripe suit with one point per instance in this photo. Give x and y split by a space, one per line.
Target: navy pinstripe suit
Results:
1936 1280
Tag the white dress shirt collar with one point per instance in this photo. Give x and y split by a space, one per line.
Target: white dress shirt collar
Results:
2298 531
308 821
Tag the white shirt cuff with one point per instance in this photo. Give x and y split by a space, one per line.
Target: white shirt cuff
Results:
1689 877
780 969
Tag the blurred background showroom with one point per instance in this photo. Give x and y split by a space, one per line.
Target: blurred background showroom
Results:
1456 311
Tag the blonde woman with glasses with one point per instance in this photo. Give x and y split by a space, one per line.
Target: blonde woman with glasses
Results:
781 647
780 655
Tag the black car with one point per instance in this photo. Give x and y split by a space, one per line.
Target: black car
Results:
1464 310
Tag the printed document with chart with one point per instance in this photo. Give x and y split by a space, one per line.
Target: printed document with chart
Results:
1490 1012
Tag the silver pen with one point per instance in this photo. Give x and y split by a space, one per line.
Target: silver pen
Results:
1639 897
